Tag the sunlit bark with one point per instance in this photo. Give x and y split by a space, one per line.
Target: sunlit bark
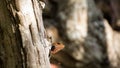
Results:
23 40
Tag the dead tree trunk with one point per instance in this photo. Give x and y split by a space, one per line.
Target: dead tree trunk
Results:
23 41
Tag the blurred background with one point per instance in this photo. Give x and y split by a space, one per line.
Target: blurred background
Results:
89 29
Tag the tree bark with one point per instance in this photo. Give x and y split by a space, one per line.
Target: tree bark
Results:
23 40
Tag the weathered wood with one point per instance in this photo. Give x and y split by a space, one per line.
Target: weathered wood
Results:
10 40
31 47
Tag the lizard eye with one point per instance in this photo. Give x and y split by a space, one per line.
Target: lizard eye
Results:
52 48
56 47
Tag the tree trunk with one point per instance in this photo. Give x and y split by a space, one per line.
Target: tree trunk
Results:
23 40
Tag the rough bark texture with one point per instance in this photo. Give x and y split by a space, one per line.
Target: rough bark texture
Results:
23 40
